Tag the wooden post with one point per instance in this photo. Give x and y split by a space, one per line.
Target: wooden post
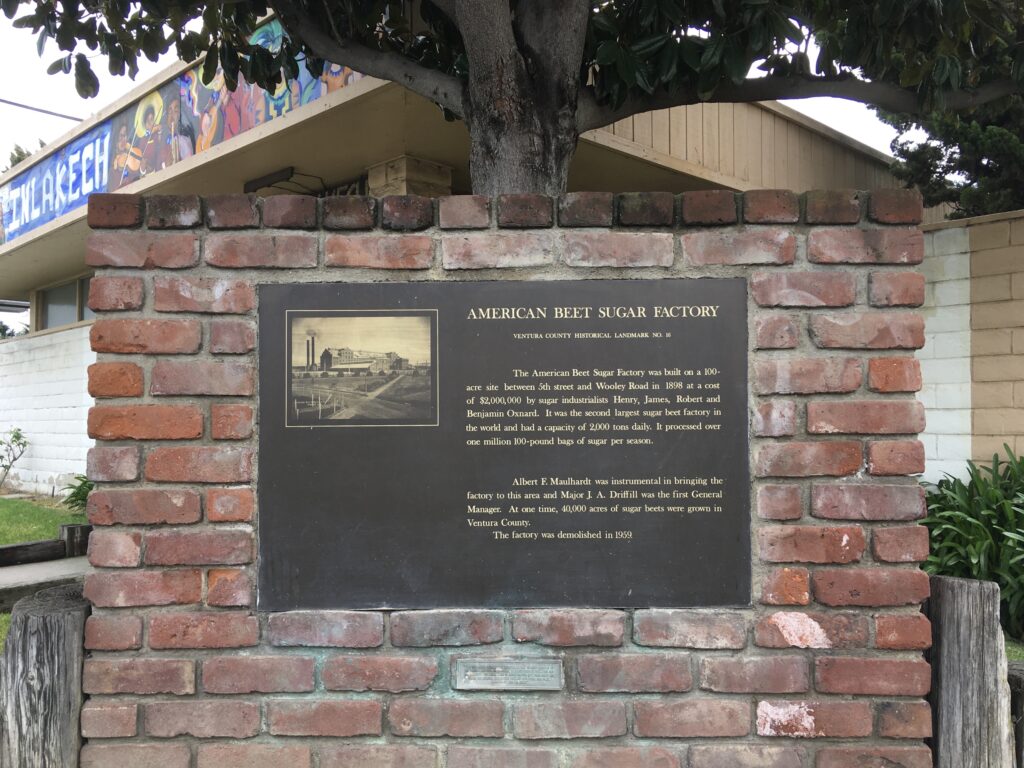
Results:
41 680
76 539
970 696
1016 678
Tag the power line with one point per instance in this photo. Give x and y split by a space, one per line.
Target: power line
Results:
39 109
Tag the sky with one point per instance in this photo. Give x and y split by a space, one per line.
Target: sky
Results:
408 337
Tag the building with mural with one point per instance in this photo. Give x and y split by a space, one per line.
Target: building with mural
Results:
329 133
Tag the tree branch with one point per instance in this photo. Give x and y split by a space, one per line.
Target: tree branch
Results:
554 33
887 96
441 88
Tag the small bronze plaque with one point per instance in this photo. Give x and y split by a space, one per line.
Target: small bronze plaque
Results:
507 675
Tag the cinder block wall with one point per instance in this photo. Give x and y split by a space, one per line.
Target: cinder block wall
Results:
823 669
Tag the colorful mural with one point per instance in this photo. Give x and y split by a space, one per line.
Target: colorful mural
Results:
182 118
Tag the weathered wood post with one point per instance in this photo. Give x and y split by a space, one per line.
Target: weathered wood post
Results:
970 695
41 680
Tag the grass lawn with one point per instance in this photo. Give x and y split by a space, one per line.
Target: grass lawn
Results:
24 520
1014 650
5 624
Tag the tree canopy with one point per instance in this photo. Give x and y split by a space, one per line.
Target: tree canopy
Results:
528 76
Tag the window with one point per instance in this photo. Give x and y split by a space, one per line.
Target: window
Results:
64 304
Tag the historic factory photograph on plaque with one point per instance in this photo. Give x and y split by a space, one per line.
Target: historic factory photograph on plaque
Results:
362 368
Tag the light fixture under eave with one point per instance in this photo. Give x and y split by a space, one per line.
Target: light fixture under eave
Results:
272 178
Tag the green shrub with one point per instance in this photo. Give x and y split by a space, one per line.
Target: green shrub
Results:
77 493
977 531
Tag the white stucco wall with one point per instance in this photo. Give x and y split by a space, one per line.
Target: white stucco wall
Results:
43 391
946 355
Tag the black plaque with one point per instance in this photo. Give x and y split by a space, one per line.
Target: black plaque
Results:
503 444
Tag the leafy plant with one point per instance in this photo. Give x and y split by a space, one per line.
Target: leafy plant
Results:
12 448
976 531
77 493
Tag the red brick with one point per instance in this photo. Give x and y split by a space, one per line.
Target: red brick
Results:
113 632
776 332
902 544
618 249
203 294
349 212
865 417
484 757
334 629
115 380
894 374
378 756
874 757
229 505
586 209
800 629
771 206
113 294
228 587
422 629
768 674
203 630
379 251
804 289
142 506
811 544
406 212
712 206
232 211
232 337
626 757
447 717
110 211
568 627
135 756
141 250
835 458
569 720
148 337
393 674
145 422
870 586
896 206
199 547
172 377
200 464
524 210
634 673
202 719
803 376
173 211
498 250
865 246
139 676
689 629
139 588
231 422
868 330
895 457
115 549
258 674
873 677
238 251
108 721
691 718
253 756
896 289
290 211
903 632
745 756
646 209
867 502
324 718
779 502
776 418
905 719
786 586
832 206
814 719
763 245
464 212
